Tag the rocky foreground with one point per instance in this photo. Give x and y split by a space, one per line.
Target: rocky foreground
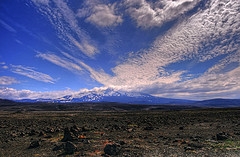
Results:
200 132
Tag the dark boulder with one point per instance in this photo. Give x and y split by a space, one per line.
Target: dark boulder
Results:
70 147
68 135
34 144
32 132
222 136
149 128
58 147
181 128
112 149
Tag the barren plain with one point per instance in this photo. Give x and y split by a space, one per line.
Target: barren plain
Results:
114 132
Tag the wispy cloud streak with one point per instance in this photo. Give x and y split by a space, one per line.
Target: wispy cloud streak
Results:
60 61
7 26
31 73
64 21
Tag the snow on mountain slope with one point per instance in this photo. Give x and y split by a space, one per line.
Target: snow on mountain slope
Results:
110 95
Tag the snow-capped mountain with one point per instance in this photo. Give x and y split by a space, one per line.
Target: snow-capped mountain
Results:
118 96
111 95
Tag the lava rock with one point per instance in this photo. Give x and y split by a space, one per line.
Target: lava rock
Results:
85 129
149 128
195 145
34 144
41 134
68 135
112 149
188 149
181 128
49 130
58 147
32 132
222 136
70 147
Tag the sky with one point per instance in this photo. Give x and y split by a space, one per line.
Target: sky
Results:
188 49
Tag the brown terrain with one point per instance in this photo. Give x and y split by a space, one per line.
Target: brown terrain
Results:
117 130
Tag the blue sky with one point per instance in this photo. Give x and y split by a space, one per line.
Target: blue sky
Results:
180 49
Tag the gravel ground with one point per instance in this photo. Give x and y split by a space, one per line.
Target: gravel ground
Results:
203 132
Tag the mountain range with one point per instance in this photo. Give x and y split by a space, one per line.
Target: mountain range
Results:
111 95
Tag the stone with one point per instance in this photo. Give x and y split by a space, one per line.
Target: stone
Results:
149 128
222 136
85 129
188 148
181 128
32 132
68 135
112 149
70 147
34 144
58 147
41 134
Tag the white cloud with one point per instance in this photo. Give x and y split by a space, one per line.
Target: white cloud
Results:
10 93
191 39
102 15
3 65
61 61
14 94
150 14
227 64
214 85
207 86
63 19
45 2
85 47
6 80
206 35
200 38
29 72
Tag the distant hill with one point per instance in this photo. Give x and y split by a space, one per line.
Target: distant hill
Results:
219 103
5 102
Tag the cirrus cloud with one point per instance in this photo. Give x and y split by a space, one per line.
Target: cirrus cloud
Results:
198 39
196 58
31 73
64 20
